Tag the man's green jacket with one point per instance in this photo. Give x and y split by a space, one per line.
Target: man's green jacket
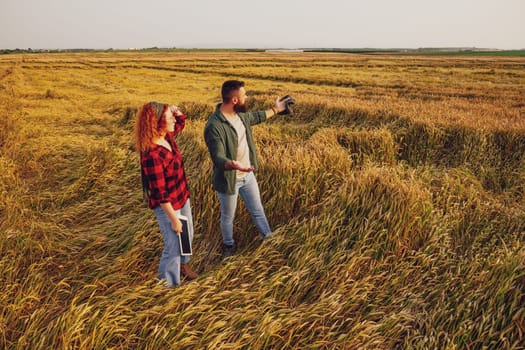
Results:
221 139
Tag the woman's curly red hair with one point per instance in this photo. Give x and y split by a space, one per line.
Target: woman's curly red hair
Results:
147 127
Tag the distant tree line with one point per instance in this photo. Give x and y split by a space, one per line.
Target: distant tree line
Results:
29 50
148 49
422 50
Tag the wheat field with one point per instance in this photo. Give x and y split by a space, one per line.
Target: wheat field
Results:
396 191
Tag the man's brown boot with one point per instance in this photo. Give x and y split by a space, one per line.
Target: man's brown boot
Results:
186 271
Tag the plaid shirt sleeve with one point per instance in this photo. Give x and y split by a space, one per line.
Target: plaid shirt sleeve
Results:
180 122
154 172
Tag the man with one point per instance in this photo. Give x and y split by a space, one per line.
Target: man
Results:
228 135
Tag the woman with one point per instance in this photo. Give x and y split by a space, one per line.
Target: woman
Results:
164 182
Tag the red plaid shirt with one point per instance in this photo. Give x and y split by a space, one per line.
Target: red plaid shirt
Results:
164 170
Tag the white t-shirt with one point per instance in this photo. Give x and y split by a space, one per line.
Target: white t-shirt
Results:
243 152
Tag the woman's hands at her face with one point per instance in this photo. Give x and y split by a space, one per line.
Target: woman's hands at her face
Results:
175 110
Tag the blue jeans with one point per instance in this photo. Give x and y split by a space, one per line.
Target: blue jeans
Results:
248 188
170 260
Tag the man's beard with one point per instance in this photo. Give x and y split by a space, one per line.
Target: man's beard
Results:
239 108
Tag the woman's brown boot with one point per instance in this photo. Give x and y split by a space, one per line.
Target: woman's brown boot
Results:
186 271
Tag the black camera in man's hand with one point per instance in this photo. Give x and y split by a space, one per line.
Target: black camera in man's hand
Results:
289 101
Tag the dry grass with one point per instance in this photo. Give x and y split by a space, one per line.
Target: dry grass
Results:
396 191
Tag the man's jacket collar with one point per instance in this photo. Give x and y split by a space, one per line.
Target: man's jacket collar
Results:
219 114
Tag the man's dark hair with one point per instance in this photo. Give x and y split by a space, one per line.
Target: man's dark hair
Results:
229 88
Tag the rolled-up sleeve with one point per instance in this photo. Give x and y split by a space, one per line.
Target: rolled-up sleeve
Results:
180 122
254 117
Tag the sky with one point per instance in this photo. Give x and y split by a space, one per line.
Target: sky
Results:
123 24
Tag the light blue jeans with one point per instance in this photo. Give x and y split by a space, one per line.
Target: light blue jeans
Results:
170 260
248 188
